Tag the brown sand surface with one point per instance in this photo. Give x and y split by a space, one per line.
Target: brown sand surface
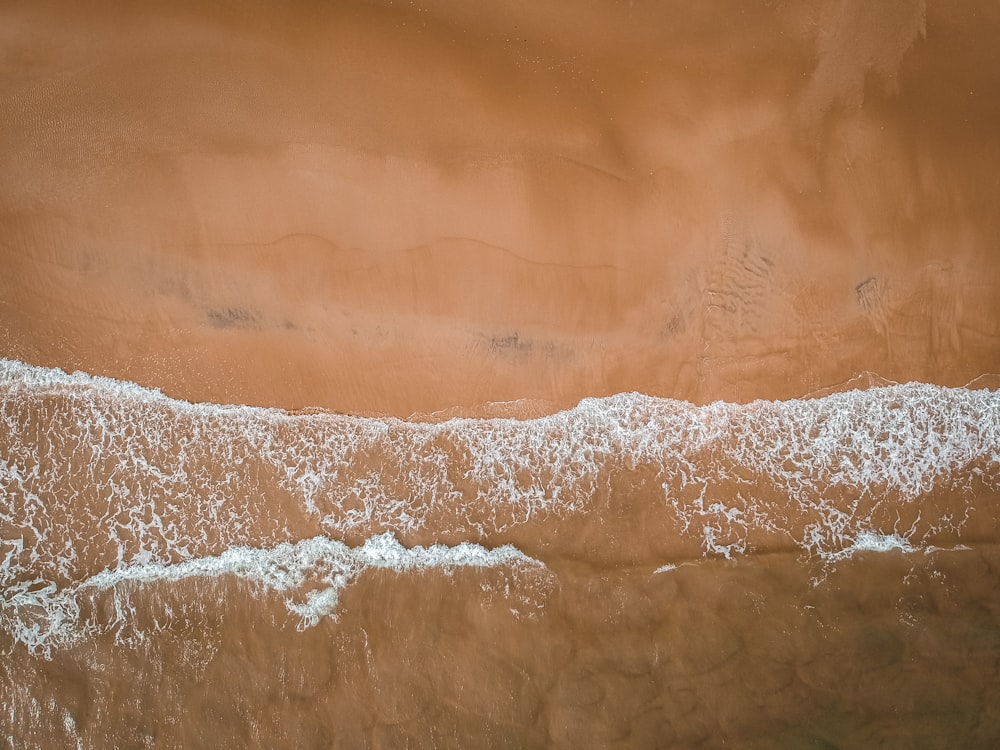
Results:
410 207
452 208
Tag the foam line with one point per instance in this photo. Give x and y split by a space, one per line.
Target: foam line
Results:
41 617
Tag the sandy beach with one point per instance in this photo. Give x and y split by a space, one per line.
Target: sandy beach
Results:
429 374
375 209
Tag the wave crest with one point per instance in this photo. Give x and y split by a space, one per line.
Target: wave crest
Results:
97 475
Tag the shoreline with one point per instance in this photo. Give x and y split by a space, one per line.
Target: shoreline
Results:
524 410
439 210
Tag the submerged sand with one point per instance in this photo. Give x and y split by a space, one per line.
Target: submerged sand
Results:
394 208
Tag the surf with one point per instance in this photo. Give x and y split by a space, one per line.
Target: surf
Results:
106 481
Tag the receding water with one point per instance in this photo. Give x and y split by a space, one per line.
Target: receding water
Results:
633 572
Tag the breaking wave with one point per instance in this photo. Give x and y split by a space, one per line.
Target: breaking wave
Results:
310 573
102 480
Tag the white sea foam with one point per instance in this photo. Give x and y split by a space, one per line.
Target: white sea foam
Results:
98 474
673 566
872 541
310 573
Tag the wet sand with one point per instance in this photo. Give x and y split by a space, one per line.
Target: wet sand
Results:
572 244
382 209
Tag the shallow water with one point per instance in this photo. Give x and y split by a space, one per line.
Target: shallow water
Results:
632 572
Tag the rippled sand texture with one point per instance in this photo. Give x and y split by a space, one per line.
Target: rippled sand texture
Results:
394 207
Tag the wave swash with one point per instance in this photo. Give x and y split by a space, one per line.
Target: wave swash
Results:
106 486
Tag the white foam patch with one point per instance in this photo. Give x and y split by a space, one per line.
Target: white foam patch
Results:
874 542
312 573
871 541
669 567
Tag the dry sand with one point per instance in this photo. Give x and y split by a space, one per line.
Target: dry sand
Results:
399 208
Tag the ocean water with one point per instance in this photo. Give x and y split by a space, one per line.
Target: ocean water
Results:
631 572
